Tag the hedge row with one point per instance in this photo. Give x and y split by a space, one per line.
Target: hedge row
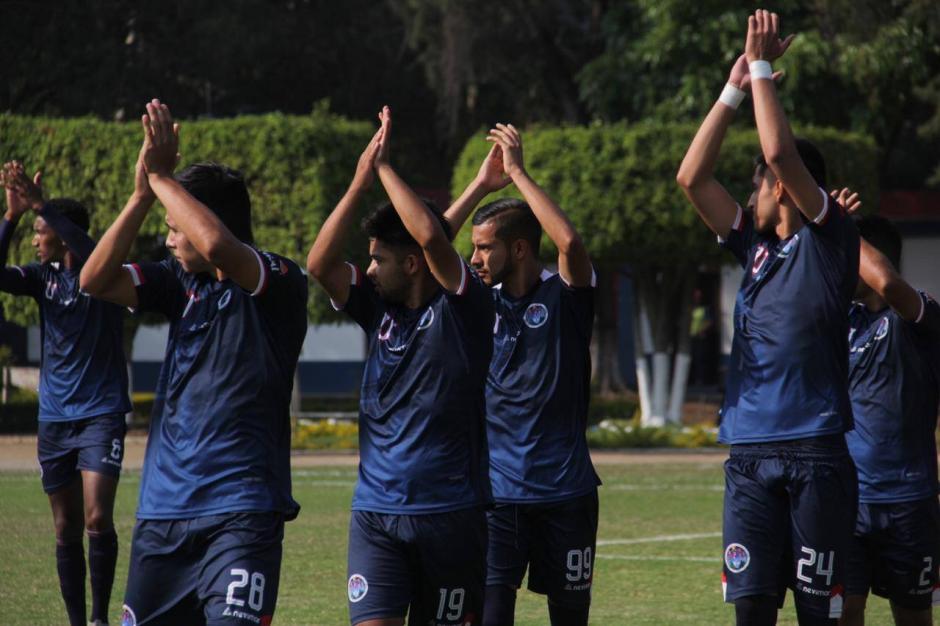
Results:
618 183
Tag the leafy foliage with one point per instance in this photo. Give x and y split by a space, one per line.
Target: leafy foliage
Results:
296 168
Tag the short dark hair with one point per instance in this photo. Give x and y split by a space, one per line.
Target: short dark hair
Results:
73 210
514 220
812 159
883 235
385 225
223 190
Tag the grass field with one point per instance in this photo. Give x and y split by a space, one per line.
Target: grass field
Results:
645 573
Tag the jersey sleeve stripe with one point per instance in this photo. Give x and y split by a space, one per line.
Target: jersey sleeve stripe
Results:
137 276
355 278
736 225
264 274
464 279
20 270
823 216
923 308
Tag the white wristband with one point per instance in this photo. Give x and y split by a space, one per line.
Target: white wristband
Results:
760 69
731 96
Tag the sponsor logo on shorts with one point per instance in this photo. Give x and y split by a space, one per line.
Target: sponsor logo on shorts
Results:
357 588
737 558
536 314
243 615
127 617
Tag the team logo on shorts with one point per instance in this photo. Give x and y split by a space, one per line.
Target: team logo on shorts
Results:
737 558
357 588
127 617
536 314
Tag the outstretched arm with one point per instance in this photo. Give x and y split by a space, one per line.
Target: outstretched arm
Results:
444 262
776 138
490 178
574 263
203 228
697 173
325 259
103 275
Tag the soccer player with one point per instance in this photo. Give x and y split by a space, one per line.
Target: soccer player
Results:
417 534
894 369
215 490
82 390
537 392
790 484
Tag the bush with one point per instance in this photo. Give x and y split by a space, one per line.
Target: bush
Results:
617 182
325 435
296 168
614 433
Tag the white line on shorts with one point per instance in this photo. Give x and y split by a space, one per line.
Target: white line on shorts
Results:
657 539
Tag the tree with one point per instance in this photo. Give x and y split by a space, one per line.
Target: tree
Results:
617 184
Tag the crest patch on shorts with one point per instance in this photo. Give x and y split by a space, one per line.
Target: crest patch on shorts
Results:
357 588
737 558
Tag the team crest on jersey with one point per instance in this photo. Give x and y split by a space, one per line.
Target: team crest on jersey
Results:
127 617
426 319
737 558
759 257
357 588
536 314
787 249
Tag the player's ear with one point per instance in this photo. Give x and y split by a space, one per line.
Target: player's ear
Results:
779 192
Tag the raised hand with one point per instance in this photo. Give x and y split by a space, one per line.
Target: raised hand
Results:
22 194
847 199
491 176
763 39
510 143
365 172
160 150
382 154
740 75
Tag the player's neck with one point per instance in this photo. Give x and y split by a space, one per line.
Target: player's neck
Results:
790 222
523 279
421 292
69 262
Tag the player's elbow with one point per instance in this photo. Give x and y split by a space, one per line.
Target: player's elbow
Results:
686 179
570 243
316 266
780 156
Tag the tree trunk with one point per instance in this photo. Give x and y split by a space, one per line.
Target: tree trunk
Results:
642 347
295 395
683 360
606 355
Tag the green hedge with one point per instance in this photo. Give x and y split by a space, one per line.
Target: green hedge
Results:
618 183
296 167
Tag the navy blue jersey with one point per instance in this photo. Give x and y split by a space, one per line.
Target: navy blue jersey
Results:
537 393
83 372
894 368
220 428
788 373
422 433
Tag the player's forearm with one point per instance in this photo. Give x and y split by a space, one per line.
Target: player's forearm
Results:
458 212
552 219
107 258
777 142
327 250
76 239
699 162
203 228
415 215
878 273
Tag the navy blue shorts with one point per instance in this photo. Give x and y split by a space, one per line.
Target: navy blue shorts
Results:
65 449
789 512
432 567
221 569
896 553
556 541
